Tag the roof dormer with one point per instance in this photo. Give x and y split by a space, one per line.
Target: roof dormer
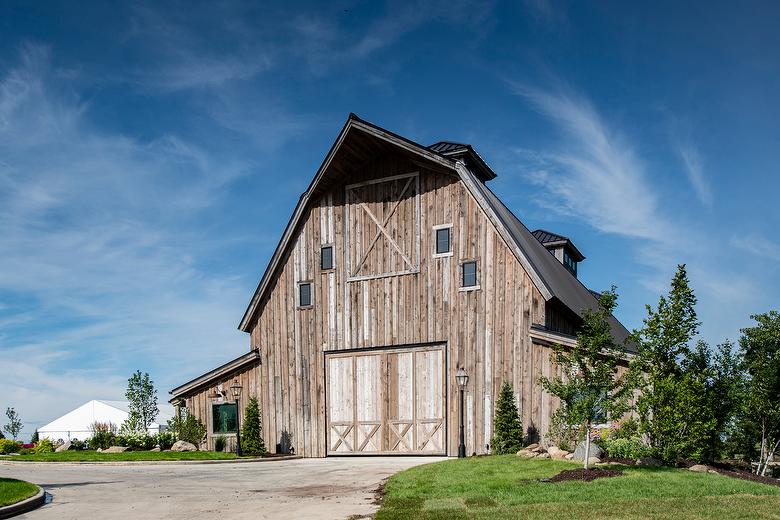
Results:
561 248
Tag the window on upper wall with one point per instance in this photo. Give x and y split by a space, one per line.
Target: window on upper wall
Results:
442 238
326 257
469 275
304 294
569 262
223 418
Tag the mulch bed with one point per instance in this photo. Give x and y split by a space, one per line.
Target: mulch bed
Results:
746 475
584 475
616 460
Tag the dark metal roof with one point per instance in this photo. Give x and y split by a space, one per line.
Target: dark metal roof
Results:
444 147
466 153
562 284
253 356
548 239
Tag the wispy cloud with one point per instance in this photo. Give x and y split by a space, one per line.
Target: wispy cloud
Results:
103 250
695 171
757 245
594 172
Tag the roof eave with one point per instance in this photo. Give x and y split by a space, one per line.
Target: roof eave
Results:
231 366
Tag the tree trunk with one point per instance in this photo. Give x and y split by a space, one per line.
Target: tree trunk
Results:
587 444
769 456
763 447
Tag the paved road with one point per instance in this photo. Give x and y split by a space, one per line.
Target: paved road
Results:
300 489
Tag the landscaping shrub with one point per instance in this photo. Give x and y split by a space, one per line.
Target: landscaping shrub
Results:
251 431
219 443
44 446
9 446
508 433
632 448
103 435
187 427
76 444
627 429
135 441
165 440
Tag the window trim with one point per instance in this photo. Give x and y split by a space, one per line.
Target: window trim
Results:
435 241
311 294
332 258
464 288
213 423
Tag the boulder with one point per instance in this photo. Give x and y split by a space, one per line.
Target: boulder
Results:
99 450
595 451
183 446
532 447
649 461
527 454
592 461
65 446
699 468
543 455
115 449
568 456
155 449
557 453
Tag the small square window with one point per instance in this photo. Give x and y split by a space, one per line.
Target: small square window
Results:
326 257
442 240
469 274
304 295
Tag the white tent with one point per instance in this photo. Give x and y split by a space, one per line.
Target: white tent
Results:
75 424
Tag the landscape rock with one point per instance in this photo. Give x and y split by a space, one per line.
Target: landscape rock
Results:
65 446
569 456
532 447
183 446
595 451
115 449
592 461
99 450
543 456
557 453
527 454
155 449
649 461
699 468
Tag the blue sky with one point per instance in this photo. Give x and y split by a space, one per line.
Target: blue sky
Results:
150 158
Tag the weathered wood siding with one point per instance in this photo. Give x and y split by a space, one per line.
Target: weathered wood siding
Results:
485 330
199 402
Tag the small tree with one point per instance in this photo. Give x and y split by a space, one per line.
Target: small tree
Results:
187 427
143 402
251 430
34 437
589 387
14 425
761 410
508 433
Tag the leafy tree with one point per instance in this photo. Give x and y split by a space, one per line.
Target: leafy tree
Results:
142 396
760 347
187 427
508 433
34 437
251 430
590 387
689 396
14 425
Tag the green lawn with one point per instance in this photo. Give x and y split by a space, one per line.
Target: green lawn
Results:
88 456
508 487
12 491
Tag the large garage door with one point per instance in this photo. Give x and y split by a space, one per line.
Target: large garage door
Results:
388 401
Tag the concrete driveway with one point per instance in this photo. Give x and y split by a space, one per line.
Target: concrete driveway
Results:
302 488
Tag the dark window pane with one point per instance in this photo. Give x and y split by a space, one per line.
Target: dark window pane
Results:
443 240
469 274
305 294
326 257
224 418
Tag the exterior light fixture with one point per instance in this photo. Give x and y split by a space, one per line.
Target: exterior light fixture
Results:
462 378
235 389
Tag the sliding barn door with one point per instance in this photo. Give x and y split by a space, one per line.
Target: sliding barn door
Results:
389 401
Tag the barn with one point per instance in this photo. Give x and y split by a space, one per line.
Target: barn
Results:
398 267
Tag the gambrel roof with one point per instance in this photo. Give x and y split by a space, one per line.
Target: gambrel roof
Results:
359 140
